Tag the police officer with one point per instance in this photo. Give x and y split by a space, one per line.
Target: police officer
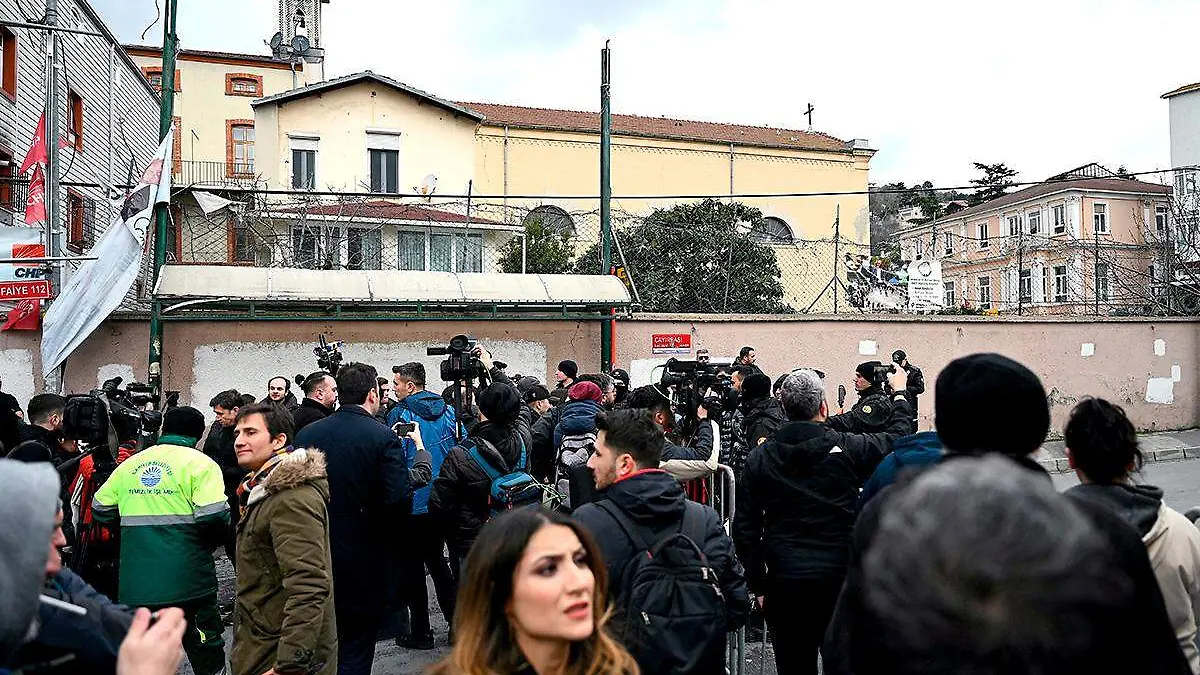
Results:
916 381
871 413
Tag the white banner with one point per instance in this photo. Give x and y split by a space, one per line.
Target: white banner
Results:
925 291
99 286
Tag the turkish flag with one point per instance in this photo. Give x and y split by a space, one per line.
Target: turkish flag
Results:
35 206
37 151
27 315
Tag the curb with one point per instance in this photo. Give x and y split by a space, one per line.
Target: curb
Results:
1056 466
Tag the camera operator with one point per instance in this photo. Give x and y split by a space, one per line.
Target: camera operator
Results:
42 441
916 382
695 460
460 499
874 407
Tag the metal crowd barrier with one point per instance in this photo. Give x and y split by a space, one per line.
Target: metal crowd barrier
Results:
722 498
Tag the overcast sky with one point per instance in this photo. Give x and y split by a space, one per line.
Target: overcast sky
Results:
1043 85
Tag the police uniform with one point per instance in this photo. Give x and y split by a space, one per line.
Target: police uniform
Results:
869 415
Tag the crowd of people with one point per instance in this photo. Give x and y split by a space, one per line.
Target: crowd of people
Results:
570 527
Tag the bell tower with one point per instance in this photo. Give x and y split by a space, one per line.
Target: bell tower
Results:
302 19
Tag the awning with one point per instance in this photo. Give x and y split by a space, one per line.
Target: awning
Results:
218 289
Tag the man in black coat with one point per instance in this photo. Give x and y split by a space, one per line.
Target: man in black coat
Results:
369 488
990 405
916 383
628 450
218 445
320 398
41 441
460 499
873 409
795 514
762 415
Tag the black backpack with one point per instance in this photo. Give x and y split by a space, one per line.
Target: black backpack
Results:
669 599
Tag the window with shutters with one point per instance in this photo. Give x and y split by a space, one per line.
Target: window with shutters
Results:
1100 218
8 62
75 121
1058 218
1025 285
1060 283
1034 220
239 148
948 291
981 233
985 293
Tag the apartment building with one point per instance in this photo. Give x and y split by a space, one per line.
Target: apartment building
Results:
1075 245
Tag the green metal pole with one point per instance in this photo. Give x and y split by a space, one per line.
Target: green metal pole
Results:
606 327
162 211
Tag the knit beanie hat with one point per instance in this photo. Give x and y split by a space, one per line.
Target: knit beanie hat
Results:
990 403
28 495
568 368
525 384
867 369
756 386
184 421
500 403
585 391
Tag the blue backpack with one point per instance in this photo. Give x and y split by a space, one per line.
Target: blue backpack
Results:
511 489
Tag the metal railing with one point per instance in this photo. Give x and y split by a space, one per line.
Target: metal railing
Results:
194 172
14 192
722 486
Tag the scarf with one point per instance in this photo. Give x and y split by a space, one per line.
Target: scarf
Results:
257 477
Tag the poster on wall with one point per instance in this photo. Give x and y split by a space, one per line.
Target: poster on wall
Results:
925 291
22 281
662 344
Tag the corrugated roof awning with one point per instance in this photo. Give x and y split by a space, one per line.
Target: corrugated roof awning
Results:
214 289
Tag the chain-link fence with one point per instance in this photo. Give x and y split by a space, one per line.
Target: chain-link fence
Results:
710 255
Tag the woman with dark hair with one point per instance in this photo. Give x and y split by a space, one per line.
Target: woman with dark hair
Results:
1102 447
534 602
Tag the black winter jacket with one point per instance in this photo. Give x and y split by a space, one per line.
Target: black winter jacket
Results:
916 386
368 491
1152 647
655 501
218 445
309 411
761 419
460 499
796 500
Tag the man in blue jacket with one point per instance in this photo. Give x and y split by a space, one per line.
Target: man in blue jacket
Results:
423 546
370 486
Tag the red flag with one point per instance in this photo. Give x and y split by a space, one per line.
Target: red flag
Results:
27 315
35 206
37 151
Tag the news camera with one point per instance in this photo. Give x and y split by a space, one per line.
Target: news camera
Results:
879 375
461 363
329 355
692 384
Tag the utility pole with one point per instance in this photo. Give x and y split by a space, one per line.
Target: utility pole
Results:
53 382
837 240
606 326
162 211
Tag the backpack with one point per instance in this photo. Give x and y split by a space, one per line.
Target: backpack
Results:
509 490
669 597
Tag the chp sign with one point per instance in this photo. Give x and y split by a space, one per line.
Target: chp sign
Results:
18 281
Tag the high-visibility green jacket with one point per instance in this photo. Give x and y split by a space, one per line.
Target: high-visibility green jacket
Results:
171 505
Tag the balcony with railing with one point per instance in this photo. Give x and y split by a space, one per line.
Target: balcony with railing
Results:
193 172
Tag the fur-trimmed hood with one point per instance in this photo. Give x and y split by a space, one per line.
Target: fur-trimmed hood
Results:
297 467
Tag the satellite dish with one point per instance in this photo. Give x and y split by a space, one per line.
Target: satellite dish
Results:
300 44
428 185
276 41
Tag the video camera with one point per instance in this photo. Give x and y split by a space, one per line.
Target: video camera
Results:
697 383
329 355
461 362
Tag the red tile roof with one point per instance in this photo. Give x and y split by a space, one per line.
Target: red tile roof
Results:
384 210
1096 184
656 127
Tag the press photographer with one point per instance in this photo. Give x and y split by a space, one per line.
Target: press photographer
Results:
870 414
687 394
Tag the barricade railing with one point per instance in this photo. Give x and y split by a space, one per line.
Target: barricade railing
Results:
722 498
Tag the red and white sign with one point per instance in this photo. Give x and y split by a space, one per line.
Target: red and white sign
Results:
22 281
671 343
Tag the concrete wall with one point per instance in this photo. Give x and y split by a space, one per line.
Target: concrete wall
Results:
1123 367
1150 367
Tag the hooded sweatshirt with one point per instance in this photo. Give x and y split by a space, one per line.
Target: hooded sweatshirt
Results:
28 495
436 421
1173 544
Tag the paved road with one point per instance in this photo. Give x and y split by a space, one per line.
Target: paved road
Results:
1179 480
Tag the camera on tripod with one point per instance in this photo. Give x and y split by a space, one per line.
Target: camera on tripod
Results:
329 355
104 417
461 362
